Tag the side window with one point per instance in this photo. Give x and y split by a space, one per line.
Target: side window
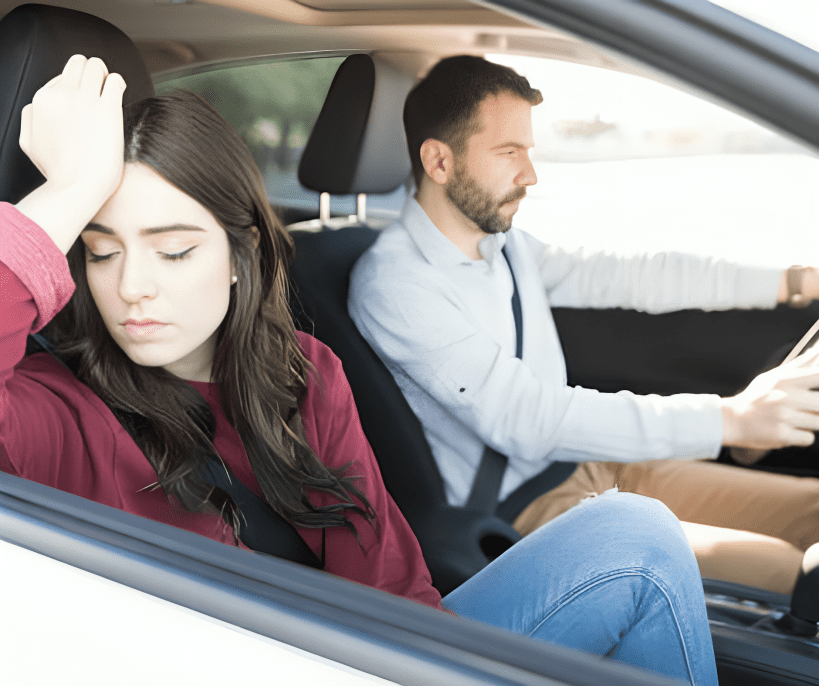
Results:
631 165
274 106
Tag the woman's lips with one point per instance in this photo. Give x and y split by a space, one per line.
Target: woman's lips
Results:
142 329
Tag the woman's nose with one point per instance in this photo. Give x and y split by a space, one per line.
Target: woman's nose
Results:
136 280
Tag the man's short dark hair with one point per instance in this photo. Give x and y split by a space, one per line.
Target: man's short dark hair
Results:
444 105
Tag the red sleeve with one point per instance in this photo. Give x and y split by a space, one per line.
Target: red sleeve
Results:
34 285
389 557
29 252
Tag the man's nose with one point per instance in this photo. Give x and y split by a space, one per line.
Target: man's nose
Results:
527 175
136 280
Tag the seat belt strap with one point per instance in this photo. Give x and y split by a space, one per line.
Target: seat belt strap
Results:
517 312
486 486
487 483
263 529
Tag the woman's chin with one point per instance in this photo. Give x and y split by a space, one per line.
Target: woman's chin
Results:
147 355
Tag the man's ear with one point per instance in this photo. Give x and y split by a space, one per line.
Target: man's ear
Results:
438 160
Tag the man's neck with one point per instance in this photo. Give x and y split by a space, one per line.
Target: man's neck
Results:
449 220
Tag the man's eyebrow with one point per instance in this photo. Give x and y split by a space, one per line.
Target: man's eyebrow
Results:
511 144
99 228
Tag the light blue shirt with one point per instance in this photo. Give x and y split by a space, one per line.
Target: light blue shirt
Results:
443 325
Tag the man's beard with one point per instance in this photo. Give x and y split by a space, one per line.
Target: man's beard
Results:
478 204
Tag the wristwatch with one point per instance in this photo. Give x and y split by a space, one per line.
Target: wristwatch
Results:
795 295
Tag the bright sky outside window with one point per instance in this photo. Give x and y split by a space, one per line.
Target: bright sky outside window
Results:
796 19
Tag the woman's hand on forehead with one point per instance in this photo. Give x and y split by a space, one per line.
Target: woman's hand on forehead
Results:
73 133
72 130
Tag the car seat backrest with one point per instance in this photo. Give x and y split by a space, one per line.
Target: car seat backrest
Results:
358 146
35 43
321 273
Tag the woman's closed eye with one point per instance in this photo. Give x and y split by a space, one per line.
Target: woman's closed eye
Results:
173 257
177 256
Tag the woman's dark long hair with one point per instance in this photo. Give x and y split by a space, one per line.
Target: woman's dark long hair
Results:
258 364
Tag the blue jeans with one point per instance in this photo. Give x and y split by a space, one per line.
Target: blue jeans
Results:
614 575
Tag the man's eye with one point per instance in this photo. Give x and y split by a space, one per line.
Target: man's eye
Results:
177 256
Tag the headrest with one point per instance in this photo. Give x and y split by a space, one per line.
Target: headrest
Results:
358 143
35 43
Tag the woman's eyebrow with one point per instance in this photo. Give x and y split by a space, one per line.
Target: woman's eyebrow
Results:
99 228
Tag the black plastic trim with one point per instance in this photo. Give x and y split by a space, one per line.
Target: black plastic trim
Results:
758 595
761 654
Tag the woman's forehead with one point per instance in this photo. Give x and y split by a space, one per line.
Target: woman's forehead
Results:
146 204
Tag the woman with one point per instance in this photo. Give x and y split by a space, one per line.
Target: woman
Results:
183 347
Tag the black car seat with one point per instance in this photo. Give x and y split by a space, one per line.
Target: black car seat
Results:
35 43
358 146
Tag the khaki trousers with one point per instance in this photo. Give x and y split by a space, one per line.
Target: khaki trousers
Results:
745 526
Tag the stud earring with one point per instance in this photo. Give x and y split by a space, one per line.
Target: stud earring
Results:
234 278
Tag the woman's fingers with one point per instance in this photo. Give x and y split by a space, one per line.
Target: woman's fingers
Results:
26 118
82 72
25 128
93 75
73 71
73 132
114 87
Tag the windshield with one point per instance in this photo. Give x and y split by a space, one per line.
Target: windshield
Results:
628 164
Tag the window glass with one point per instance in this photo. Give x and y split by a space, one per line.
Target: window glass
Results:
629 164
274 106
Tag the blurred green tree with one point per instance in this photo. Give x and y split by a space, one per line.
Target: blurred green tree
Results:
273 105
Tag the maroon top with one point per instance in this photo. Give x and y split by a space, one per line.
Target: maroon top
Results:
56 431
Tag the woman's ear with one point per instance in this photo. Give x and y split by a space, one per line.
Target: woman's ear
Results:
438 161
257 237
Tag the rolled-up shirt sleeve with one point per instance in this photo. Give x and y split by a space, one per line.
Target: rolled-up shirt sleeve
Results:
655 283
423 335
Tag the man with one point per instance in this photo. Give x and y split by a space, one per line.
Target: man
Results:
433 296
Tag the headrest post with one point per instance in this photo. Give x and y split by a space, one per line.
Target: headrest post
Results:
324 208
361 208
